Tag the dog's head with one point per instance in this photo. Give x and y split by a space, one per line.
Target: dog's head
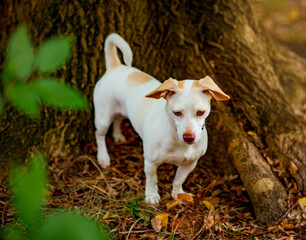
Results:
188 104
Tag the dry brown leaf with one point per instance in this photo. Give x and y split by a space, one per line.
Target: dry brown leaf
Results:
292 168
186 198
212 184
173 204
210 222
269 160
156 224
287 226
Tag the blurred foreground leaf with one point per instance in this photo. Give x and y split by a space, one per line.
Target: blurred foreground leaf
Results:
57 94
1 104
68 226
23 98
28 189
53 53
19 54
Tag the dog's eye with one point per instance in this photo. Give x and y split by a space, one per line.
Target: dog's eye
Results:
178 114
200 113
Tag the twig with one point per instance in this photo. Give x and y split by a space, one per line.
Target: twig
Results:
138 231
132 228
286 213
204 225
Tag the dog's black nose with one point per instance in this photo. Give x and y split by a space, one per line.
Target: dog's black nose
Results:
189 138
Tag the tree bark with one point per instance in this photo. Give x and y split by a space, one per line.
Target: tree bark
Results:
256 134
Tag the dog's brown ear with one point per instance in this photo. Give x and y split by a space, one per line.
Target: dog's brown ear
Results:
207 84
166 90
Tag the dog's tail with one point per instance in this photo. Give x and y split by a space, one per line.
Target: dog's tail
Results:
111 57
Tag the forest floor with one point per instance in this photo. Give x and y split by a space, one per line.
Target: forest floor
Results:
221 207
115 197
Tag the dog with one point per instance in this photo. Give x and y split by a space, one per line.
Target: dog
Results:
169 117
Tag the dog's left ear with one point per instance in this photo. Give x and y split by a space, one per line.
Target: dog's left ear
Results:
207 84
166 90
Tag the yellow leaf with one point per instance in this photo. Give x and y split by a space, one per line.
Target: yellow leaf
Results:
251 133
208 205
186 198
163 218
302 202
293 15
173 204
105 216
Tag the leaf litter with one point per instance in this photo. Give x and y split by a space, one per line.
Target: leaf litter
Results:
219 209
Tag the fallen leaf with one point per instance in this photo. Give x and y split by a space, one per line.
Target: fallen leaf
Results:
292 168
251 133
269 160
156 224
186 198
302 202
212 184
210 222
293 15
105 216
213 200
163 218
208 205
290 237
287 226
173 204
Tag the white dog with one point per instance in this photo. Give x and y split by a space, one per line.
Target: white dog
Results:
172 128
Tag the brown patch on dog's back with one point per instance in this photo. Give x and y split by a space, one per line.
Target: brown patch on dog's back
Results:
137 78
180 84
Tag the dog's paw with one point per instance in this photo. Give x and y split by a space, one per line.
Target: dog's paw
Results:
104 160
152 199
119 137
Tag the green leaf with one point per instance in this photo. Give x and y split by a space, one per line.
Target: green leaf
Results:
54 93
1 105
53 53
8 72
14 234
70 227
20 54
23 98
28 190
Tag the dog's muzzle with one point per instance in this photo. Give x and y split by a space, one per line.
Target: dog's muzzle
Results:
189 138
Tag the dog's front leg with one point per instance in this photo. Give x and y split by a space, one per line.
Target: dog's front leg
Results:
180 177
151 192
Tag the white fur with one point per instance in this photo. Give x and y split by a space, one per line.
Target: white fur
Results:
161 131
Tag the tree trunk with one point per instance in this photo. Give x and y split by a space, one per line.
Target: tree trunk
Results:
256 134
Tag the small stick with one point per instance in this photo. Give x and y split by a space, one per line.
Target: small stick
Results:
286 213
205 223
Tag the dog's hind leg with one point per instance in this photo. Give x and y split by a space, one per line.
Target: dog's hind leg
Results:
117 135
